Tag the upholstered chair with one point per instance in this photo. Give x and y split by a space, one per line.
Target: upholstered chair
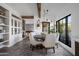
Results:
50 42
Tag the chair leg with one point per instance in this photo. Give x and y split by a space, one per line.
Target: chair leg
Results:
57 45
32 47
54 49
46 50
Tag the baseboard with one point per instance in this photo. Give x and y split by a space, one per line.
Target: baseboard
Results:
14 43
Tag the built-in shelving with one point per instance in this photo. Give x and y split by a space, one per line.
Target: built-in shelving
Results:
3 33
3 17
4 26
10 27
3 42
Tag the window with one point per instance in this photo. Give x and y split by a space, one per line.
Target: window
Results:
15 30
15 23
63 26
18 30
12 30
12 22
18 24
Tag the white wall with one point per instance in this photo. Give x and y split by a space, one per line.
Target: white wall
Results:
73 10
34 21
61 10
29 21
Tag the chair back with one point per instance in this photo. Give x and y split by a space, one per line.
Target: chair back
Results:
57 37
49 41
32 40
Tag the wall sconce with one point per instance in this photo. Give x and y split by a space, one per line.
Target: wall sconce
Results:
46 19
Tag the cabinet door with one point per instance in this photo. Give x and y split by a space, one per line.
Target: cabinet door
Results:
77 48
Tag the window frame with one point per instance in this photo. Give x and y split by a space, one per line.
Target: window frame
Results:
66 28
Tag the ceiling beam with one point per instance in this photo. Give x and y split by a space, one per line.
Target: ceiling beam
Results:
39 9
28 17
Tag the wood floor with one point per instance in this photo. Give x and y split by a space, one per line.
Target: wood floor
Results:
22 49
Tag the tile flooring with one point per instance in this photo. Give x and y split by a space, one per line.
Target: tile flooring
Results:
22 49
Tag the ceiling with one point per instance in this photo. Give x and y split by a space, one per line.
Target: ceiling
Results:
31 9
55 9
25 9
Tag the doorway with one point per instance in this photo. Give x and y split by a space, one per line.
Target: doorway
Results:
46 27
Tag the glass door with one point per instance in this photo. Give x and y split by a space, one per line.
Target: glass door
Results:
46 27
64 28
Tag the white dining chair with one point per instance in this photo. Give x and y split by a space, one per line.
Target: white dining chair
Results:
50 42
57 38
33 42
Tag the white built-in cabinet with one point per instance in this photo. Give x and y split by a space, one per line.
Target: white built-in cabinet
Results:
4 26
16 29
16 26
10 28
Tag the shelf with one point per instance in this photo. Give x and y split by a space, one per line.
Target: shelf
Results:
3 25
3 33
3 42
3 16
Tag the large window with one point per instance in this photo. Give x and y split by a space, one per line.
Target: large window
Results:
64 28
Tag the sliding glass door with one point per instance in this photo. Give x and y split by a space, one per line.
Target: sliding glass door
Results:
64 28
69 30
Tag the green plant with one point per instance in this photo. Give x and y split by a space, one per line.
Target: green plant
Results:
48 29
52 30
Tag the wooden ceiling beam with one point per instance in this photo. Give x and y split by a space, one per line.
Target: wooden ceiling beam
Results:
28 17
39 9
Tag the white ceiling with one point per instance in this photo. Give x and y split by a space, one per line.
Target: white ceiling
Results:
30 9
25 9
55 9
